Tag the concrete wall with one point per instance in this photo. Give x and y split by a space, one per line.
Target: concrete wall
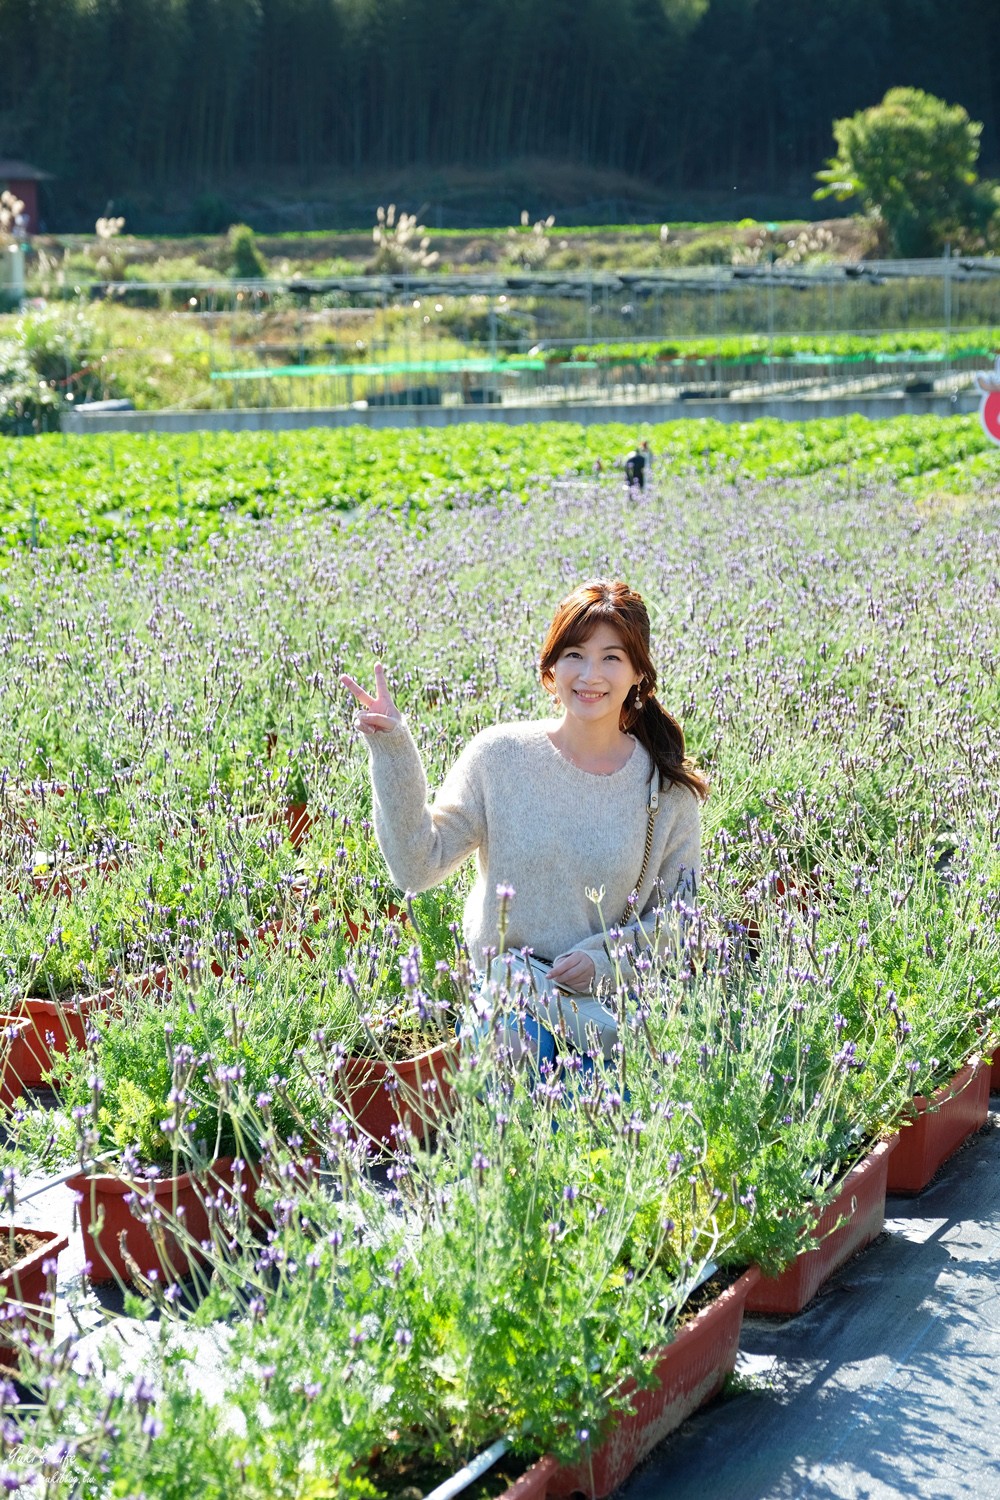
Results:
275 419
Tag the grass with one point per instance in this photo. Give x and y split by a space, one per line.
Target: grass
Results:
624 245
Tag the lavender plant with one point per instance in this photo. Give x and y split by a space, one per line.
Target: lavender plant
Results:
828 642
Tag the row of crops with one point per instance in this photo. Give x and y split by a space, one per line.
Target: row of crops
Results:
740 348
447 340
148 493
192 890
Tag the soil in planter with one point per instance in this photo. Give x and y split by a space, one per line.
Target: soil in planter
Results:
25 1243
402 1046
412 1478
377 1111
719 1282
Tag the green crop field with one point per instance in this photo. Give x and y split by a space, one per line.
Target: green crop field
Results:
147 493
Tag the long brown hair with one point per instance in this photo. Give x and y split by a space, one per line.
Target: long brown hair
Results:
602 602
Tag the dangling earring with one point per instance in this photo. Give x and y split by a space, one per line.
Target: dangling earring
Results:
638 695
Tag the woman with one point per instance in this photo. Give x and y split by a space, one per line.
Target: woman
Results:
599 802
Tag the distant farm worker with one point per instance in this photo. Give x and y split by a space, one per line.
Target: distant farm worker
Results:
580 823
637 463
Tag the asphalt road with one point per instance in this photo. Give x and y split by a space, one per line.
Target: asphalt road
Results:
887 1387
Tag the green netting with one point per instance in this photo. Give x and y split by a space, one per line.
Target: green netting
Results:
403 367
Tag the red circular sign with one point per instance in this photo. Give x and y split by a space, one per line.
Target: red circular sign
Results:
989 414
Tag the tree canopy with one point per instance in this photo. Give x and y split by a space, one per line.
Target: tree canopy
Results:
911 161
117 96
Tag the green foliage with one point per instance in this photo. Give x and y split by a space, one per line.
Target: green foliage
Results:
181 270
910 950
150 494
179 1073
705 250
211 214
841 689
244 260
27 405
63 347
69 947
217 98
54 356
911 162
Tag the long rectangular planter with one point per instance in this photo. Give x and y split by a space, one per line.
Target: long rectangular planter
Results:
690 1370
112 1210
27 1292
860 1202
938 1127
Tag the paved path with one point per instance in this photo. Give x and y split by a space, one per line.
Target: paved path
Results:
887 1387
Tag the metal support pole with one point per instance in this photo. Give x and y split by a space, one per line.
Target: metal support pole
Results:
947 310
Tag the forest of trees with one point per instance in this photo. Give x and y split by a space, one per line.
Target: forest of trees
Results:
116 95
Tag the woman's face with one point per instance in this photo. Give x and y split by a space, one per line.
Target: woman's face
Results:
593 679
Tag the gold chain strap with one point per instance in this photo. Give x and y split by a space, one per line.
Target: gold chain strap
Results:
654 807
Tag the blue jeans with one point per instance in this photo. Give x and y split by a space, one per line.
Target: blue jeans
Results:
541 1043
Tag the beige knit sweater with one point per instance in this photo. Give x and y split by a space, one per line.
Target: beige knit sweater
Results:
540 825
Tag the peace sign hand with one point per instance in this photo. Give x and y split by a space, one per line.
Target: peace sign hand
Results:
377 715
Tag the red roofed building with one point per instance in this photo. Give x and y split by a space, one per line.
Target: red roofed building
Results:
22 179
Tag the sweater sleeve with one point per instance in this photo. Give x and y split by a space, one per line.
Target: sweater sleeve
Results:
678 874
423 842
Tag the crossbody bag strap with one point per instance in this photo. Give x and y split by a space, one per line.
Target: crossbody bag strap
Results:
653 808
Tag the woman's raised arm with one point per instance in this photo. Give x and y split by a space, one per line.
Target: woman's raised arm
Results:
378 714
422 842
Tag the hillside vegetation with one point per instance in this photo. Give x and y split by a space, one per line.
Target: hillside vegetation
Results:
734 95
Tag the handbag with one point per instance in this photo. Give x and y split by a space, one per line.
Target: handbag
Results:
571 1018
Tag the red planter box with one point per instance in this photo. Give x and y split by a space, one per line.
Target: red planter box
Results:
14 1058
106 1216
364 923
155 980
534 1482
861 1201
793 895
273 935
60 882
299 823
27 1293
65 1022
939 1126
382 1095
690 1371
